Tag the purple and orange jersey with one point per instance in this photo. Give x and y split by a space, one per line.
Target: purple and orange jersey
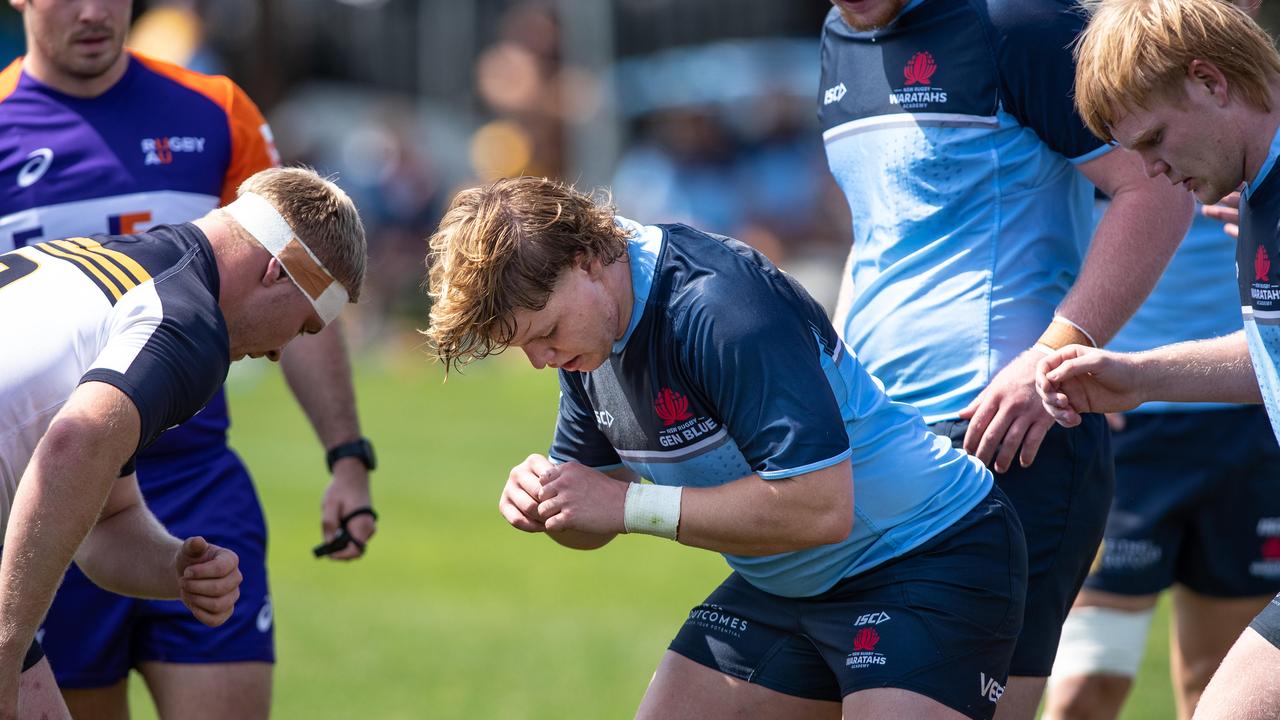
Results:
163 145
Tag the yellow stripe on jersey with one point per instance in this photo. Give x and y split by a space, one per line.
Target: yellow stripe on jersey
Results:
139 273
124 281
103 281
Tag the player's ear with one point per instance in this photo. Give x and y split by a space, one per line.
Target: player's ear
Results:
18 5
274 273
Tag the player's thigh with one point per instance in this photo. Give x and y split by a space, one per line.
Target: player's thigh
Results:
1245 686
896 703
110 702
214 691
1206 628
685 690
1062 501
38 696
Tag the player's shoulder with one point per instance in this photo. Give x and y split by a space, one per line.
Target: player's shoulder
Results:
219 89
1032 22
9 78
718 279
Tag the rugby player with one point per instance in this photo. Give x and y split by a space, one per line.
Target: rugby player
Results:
1196 508
948 125
1191 86
876 570
96 139
121 338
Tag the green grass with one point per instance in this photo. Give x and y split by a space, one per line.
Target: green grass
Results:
453 614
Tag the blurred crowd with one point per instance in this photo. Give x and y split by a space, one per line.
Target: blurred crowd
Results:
720 133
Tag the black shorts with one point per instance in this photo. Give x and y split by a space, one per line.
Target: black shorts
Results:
1062 500
940 621
1267 623
1197 503
34 655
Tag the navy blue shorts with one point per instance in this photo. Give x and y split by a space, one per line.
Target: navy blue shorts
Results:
34 655
1062 500
1197 503
93 637
940 621
1267 624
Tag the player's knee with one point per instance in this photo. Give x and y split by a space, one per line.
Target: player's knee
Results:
1099 654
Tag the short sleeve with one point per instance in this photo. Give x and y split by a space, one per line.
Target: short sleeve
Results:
169 367
756 349
1034 50
577 437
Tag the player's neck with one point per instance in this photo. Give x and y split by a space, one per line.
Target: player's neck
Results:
1259 131
48 73
619 284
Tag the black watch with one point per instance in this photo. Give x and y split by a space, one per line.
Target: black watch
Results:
361 448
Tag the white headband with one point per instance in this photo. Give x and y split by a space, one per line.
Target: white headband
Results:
264 223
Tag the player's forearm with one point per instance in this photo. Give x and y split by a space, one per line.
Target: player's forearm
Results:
58 499
147 569
319 374
753 516
1131 246
1215 370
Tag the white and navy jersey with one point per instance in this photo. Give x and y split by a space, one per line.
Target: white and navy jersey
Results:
161 145
951 132
139 312
729 368
1258 276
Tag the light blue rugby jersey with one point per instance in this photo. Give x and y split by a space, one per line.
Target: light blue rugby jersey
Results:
729 368
1196 298
952 133
1257 253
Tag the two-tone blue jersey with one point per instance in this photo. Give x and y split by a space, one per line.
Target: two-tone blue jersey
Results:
952 134
729 368
1257 249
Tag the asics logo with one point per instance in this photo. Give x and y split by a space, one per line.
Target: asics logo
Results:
37 163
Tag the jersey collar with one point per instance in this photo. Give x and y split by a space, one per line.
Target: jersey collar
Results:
1267 164
643 246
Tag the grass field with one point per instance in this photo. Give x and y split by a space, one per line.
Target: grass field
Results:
453 614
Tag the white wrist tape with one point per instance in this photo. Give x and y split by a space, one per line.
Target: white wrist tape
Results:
652 510
261 220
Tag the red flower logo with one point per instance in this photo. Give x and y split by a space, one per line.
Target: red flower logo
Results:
866 639
671 406
920 69
1261 265
1271 549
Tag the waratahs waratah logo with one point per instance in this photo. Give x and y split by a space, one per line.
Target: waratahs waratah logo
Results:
920 69
1261 265
866 639
671 406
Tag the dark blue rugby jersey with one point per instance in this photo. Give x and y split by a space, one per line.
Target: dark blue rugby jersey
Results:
951 132
139 312
1257 250
729 368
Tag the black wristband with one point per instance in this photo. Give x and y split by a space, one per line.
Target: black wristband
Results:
361 448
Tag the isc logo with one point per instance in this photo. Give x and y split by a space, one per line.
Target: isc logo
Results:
874 618
834 94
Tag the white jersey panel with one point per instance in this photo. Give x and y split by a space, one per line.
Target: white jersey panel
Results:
141 211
